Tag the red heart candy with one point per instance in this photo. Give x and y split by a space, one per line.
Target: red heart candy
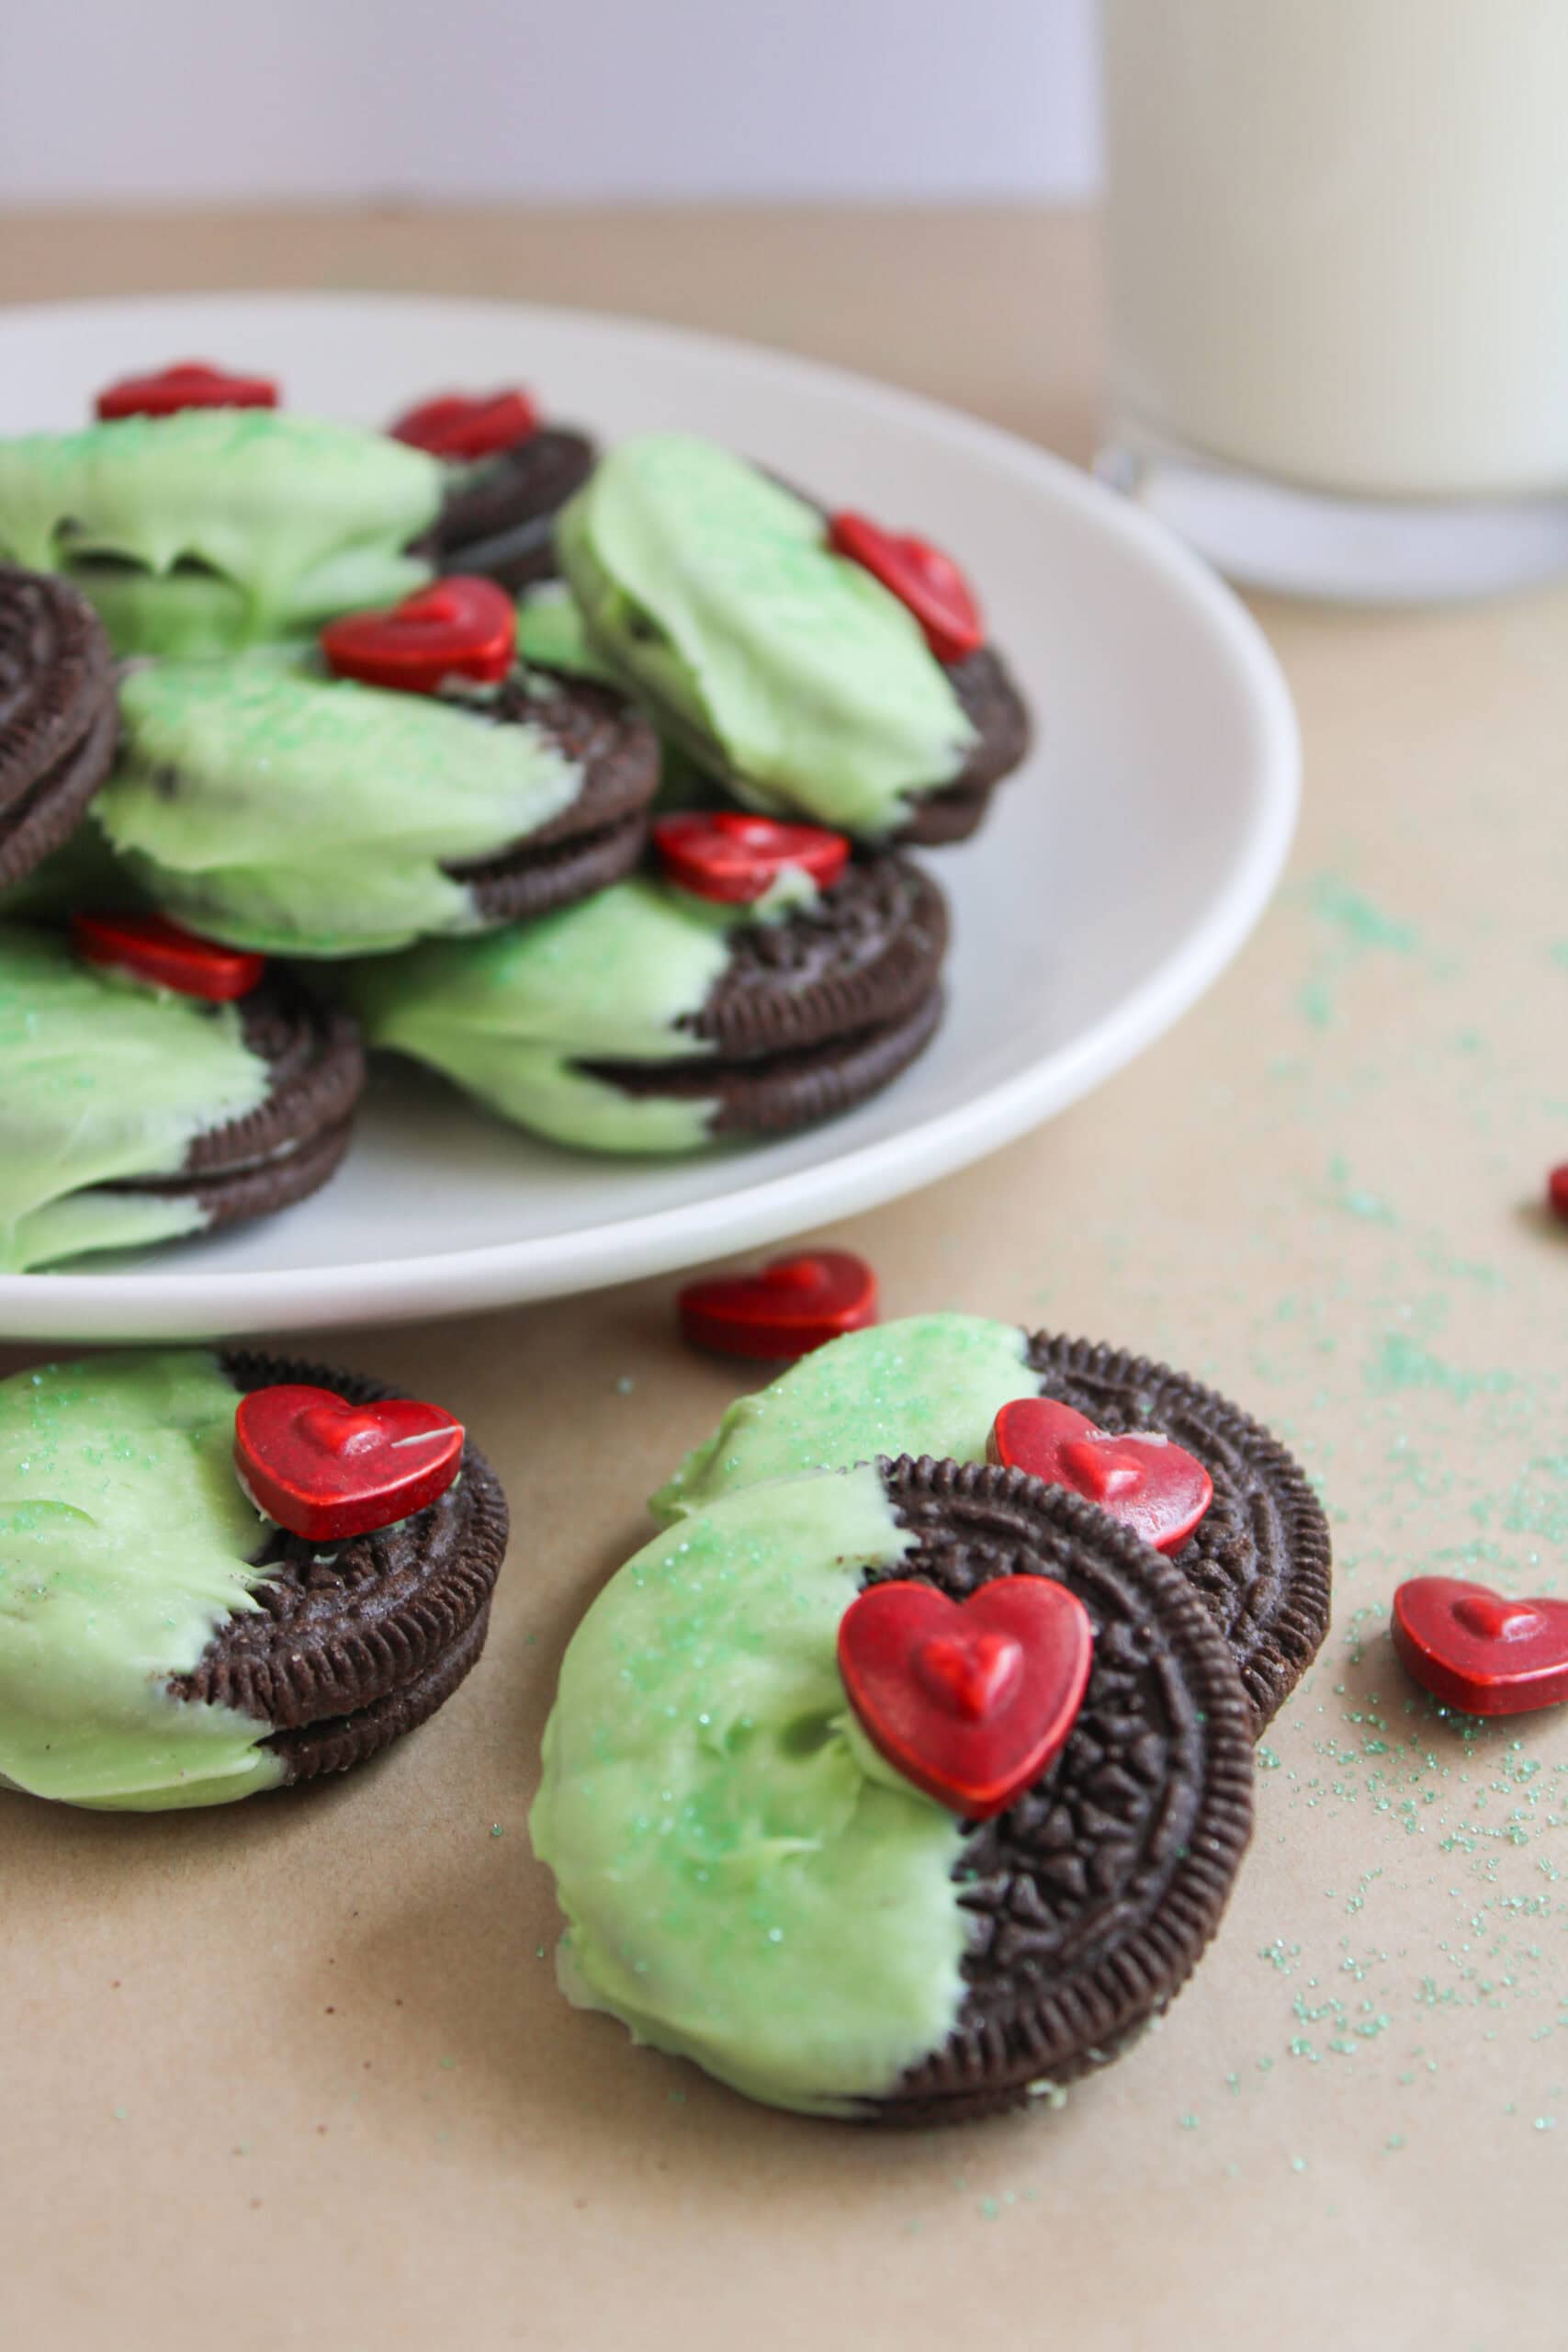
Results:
919 576
1472 1648
327 1469
189 383
158 950
1140 1478
1557 1192
734 859
792 1306
970 1702
459 627
461 425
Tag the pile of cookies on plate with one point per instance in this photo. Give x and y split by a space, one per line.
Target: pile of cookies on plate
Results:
586 779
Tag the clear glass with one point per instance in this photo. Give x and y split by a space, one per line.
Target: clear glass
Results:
1337 245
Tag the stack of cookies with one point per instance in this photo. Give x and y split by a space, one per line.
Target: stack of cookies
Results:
587 780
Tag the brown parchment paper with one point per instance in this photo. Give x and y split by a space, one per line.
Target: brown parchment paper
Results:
297 2074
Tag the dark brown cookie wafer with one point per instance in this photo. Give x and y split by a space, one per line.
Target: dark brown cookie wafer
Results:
58 718
357 1643
499 517
1260 1556
866 952
601 836
994 707
1093 1895
773 1095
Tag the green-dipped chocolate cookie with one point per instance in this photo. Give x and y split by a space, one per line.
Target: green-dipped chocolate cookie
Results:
130 1114
58 718
163 1645
934 1384
265 804
748 1883
648 1020
213 528
781 666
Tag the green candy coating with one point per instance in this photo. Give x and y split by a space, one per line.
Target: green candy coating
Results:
929 1383
746 1885
216 528
713 592
266 805
124 1545
104 1080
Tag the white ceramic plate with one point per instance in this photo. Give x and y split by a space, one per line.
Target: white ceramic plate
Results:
1116 876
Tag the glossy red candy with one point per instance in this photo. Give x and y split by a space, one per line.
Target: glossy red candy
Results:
1142 1479
735 859
1557 1192
326 1469
158 950
793 1305
969 1700
459 627
462 425
919 576
189 383
1472 1648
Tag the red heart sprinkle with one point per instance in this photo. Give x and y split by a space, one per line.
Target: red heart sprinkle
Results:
969 1700
1473 1649
189 383
792 1306
734 859
459 627
463 424
919 576
326 1469
1140 1478
158 950
1557 1192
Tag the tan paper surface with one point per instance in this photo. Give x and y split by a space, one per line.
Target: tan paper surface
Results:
298 2074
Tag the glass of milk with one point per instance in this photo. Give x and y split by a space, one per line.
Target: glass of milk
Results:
1338 269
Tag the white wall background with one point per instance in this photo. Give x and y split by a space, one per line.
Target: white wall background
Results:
552 99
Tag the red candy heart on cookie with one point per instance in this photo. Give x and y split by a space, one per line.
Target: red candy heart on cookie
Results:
327 1469
459 627
458 426
734 859
969 1700
160 951
792 1306
1140 1478
1473 1649
189 383
919 576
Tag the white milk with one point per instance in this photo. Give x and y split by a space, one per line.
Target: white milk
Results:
1338 238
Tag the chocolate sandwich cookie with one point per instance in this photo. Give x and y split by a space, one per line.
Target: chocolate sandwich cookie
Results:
499 517
815 664
276 806
1258 1555
654 1018
58 716
169 1637
213 528
154 1087
905 1794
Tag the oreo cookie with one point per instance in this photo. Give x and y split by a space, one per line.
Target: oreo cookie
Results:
130 1114
990 699
192 1652
498 519
58 716
644 1020
1261 1557
767 1839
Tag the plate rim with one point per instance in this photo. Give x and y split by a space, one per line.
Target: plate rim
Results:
134 1307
